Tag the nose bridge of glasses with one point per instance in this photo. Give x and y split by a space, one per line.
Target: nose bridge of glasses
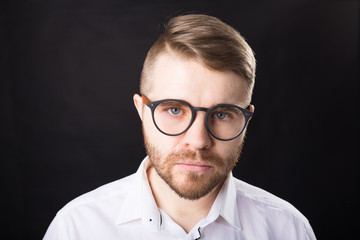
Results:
201 124
195 109
200 109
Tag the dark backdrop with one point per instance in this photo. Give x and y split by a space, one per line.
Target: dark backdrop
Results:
68 125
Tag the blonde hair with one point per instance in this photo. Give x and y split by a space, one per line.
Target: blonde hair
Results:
207 39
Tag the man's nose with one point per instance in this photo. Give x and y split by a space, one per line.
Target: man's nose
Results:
197 136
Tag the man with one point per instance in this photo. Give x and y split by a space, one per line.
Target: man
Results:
196 88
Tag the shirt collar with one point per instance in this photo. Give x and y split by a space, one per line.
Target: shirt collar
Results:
139 203
229 208
225 206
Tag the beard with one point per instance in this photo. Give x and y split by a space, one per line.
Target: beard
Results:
192 185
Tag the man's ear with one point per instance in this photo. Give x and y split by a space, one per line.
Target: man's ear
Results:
138 104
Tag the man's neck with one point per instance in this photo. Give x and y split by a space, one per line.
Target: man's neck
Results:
186 213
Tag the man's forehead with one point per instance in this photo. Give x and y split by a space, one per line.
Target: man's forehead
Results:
188 79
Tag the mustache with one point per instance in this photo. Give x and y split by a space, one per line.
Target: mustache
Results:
204 156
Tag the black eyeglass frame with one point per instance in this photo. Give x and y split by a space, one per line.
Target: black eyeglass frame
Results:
152 105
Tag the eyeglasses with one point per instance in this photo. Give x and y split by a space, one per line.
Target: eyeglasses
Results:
173 117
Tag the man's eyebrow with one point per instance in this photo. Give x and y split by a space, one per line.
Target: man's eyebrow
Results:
232 109
226 107
172 103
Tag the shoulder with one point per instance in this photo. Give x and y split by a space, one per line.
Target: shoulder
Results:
269 209
260 196
107 194
94 208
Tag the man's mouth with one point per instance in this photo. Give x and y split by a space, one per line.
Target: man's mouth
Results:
194 166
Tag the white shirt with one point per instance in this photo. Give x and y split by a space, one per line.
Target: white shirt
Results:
126 209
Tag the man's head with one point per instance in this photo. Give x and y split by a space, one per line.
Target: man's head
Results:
204 62
206 39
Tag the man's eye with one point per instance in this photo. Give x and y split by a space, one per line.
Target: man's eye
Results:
174 111
221 115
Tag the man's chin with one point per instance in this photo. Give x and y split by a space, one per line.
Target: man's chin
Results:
193 185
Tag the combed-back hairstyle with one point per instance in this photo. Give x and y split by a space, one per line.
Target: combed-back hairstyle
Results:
206 39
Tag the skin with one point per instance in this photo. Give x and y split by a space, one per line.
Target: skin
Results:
189 80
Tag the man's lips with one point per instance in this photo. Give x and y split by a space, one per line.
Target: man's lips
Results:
194 166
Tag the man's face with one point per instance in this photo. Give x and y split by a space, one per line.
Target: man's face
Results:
193 163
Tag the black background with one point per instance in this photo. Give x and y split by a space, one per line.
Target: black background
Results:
68 125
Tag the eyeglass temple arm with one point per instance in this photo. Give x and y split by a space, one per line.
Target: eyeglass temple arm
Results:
144 99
